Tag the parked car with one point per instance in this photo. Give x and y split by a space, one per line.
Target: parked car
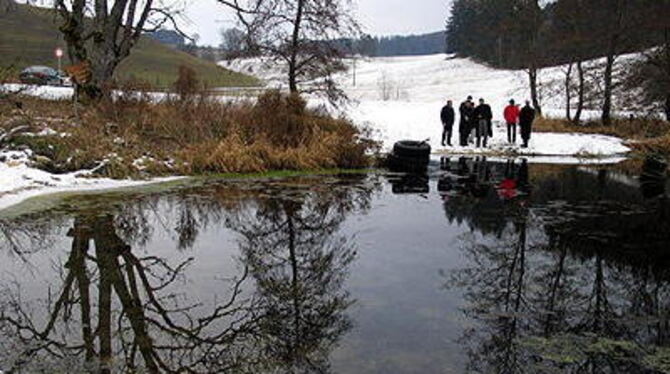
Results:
44 76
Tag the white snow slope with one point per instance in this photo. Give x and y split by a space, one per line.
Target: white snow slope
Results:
416 88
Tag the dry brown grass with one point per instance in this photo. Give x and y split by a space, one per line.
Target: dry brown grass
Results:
640 128
197 134
660 145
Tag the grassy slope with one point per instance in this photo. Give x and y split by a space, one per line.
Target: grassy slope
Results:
29 36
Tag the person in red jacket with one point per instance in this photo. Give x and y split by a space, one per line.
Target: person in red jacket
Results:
512 118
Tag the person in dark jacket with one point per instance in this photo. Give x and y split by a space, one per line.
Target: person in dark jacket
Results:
464 128
483 116
526 118
447 116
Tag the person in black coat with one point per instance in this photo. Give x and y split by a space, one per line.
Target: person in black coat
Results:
483 116
526 118
447 116
465 126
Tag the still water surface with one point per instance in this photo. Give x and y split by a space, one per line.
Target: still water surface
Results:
482 267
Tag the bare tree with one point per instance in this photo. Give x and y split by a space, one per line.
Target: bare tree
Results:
100 34
299 33
570 21
233 43
529 27
385 86
651 74
621 20
614 13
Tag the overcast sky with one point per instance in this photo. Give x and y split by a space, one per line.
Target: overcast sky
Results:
379 17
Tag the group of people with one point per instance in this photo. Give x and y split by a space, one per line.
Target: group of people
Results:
476 122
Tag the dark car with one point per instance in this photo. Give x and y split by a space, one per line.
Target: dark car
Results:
44 76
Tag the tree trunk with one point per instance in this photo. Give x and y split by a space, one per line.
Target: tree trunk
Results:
580 94
102 34
599 290
103 65
80 246
104 312
295 288
568 94
295 45
553 293
534 95
607 100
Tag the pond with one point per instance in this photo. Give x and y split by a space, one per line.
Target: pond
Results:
480 266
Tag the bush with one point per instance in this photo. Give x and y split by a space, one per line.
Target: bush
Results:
133 135
187 85
636 128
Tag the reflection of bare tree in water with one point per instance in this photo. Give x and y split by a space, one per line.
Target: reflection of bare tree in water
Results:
115 311
497 298
133 317
299 264
26 237
555 301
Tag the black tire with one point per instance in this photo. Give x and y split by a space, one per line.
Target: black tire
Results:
654 169
407 164
411 184
412 149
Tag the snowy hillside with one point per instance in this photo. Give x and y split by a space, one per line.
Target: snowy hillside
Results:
400 98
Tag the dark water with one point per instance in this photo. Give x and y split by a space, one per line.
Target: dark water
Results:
483 267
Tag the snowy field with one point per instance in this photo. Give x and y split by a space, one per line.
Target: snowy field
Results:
401 97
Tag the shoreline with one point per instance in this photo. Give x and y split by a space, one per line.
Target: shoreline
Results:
26 199
34 198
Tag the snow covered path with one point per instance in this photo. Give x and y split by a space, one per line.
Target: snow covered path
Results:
395 121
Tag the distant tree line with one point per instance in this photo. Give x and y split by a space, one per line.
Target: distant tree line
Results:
499 32
533 34
169 37
396 45
233 44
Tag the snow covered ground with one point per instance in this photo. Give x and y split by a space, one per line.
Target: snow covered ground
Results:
401 97
44 92
19 182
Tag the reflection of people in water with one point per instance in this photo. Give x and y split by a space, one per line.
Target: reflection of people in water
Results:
445 164
653 178
507 187
523 183
463 169
482 170
482 174
515 181
473 180
476 177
